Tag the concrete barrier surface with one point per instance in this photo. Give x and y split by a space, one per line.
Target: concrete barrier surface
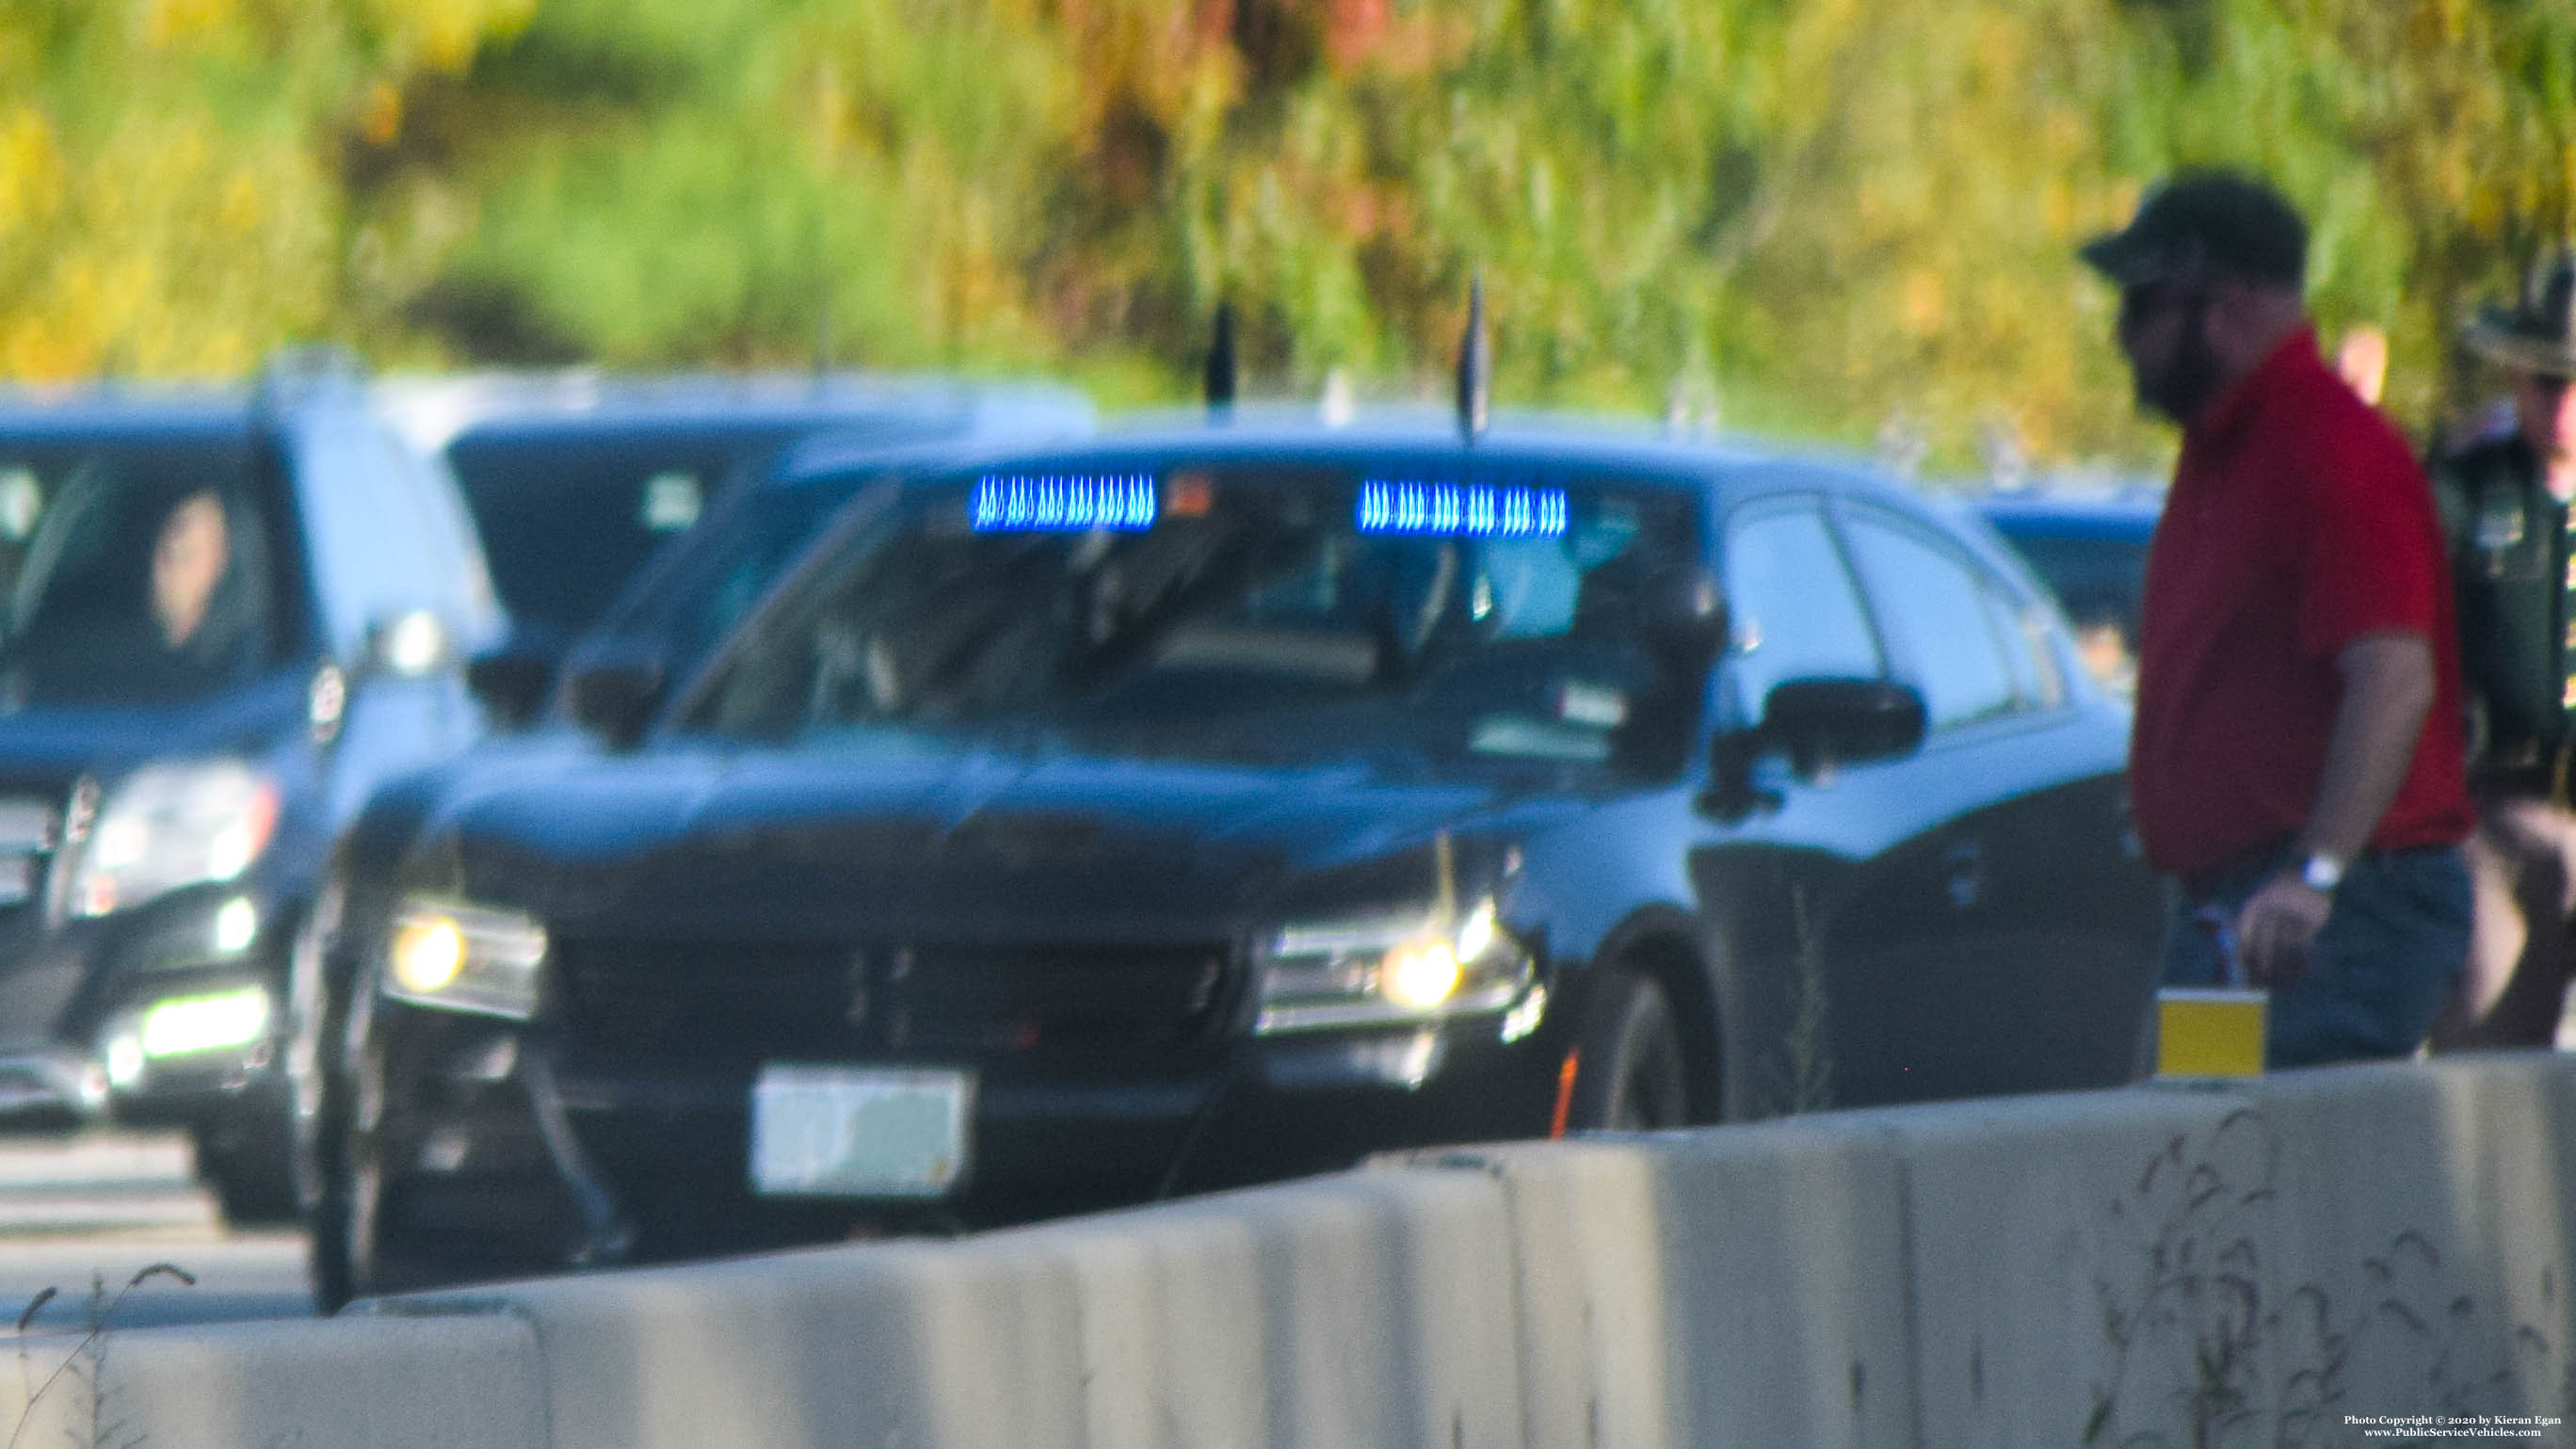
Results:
1743 1287
1365 1309
2279 1263
453 1383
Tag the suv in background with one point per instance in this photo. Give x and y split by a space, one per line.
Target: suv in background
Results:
2090 548
225 616
576 479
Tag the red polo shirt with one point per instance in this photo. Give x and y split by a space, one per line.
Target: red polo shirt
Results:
2298 522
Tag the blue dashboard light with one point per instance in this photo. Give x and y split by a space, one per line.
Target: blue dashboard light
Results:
1471 509
1061 503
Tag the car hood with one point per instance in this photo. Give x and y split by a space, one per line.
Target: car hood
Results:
989 843
55 745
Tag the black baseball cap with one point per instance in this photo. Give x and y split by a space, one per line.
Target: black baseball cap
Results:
2218 221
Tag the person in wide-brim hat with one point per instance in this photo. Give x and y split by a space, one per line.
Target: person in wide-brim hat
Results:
2538 334
2508 490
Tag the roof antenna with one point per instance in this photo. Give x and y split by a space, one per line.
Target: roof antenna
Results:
1220 363
823 342
1475 366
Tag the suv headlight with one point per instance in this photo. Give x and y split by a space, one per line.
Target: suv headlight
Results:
1388 971
167 826
462 957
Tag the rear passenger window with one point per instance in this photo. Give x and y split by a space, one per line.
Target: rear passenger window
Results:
2023 628
1794 611
1939 622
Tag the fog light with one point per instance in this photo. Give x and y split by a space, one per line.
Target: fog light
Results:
1419 976
204 1023
428 952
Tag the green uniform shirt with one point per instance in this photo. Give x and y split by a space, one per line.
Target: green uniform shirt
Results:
2513 564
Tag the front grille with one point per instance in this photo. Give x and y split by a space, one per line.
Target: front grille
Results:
709 1001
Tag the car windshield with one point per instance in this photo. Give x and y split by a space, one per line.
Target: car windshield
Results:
566 518
695 594
1263 615
136 572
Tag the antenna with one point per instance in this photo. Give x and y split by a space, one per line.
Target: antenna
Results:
1475 366
1220 362
823 340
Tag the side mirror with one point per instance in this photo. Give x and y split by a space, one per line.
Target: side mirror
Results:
614 691
1820 722
409 644
511 682
1817 723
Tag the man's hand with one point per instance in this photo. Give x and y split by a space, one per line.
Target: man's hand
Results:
2276 926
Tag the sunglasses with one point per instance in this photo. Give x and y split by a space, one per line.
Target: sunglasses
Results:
2145 299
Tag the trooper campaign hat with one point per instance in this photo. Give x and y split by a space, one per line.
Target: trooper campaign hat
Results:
2221 222
2539 334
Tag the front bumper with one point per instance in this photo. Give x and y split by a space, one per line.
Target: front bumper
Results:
652 1159
164 1014
179 1051
46 1087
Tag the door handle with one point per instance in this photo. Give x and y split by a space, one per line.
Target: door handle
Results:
1964 872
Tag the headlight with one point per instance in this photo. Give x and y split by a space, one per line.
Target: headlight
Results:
464 957
167 826
1389 971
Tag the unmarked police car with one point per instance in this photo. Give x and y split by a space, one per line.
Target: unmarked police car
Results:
1086 823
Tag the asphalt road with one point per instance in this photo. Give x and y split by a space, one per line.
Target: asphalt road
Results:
104 1206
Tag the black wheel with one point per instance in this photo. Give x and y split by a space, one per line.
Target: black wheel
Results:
316 1021
1633 1073
326 1238
346 1228
249 1163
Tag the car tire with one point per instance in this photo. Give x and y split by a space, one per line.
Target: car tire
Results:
1633 1072
250 1167
352 1254
316 1019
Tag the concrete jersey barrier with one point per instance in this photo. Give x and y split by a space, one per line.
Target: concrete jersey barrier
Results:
1364 1309
457 1383
2317 1258
2295 1261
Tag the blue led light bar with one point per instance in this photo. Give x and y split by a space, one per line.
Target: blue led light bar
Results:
1472 509
1069 503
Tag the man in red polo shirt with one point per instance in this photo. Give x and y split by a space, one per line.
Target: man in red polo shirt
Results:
2297 760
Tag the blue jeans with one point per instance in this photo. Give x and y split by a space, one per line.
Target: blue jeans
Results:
2377 975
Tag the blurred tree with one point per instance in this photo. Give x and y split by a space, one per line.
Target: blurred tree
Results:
1852 218
164 205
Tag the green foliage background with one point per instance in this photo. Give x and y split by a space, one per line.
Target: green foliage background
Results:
1823 215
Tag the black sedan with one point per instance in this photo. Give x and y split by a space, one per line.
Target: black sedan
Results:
1085 824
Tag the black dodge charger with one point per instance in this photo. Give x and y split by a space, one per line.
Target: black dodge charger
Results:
1083 824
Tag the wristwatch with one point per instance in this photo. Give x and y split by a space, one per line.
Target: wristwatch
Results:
2321 872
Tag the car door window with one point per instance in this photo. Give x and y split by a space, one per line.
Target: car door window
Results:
1796 614
1938 623
2024 629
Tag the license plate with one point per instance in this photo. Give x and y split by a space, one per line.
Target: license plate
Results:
819 1131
